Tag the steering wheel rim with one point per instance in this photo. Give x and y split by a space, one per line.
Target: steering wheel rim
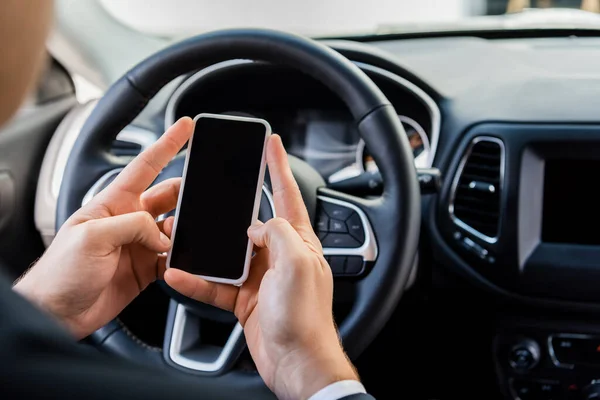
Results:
394 216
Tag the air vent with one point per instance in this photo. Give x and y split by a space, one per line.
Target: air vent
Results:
476 191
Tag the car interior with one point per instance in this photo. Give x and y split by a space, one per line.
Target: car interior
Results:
448 172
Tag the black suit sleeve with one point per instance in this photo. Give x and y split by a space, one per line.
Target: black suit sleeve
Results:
359 397
40 360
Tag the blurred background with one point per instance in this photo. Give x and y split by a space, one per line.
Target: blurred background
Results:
98 40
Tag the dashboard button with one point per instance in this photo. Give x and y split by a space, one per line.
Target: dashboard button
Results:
524 355
590 351
521 359
548 391
322 222
354 265
337 264
568 350
340 240
524 390
573 392
337 226
355 227
336 211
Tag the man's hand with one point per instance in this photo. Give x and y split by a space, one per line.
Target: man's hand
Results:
111 249
285 305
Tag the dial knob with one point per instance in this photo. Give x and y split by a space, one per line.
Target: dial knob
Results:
524 355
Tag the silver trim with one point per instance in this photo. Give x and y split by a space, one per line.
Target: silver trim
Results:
176 345
360 155
430 104
423 135
57 156
421 161
551 352
134 134
349 172
131 134
368 250
456 179
94 190
269 197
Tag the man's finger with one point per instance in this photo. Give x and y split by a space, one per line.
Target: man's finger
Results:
161 198
286 194
166 226
144 169
277 235
138 227
215 294
161 266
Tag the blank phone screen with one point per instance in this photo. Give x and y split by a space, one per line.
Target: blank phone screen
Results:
218 197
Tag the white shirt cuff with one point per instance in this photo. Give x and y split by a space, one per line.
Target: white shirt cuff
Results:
339 390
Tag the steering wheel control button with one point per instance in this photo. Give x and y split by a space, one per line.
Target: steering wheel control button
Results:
322 222
524 355
430 180
340 240
354 265
355 227
336 211
322 235
337 264
337 226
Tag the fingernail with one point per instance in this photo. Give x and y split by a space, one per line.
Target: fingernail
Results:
164 239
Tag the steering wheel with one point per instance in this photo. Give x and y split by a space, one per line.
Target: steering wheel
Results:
378 252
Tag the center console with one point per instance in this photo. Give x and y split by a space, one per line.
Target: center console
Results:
523 209
542 360
520 214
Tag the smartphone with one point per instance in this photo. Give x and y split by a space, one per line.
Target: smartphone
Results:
219 197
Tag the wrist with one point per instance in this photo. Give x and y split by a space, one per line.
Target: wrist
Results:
25 287
307 372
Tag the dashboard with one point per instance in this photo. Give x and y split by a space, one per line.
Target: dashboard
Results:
314 125
513 126
513 129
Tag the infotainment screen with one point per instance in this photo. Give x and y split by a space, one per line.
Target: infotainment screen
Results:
571 201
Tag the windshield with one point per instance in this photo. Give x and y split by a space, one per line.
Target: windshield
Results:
99 40
180 18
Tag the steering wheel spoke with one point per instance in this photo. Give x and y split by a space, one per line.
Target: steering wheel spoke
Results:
187 349
344 228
